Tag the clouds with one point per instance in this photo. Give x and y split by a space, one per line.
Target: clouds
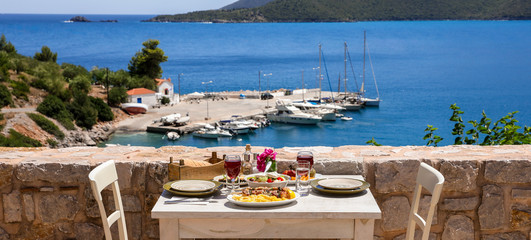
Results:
110 6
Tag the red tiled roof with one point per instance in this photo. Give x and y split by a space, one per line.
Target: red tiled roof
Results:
160 81
139 91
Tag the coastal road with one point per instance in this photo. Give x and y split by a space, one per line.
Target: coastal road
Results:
18 110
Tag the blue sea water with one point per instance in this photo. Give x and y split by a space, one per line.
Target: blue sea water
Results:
421 67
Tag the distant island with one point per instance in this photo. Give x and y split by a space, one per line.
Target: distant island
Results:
84 19
357 10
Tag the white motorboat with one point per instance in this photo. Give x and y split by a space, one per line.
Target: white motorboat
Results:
236 128
346 118
326 114
134 108
170 119
371 101
287 113
209 131
172 136
182 121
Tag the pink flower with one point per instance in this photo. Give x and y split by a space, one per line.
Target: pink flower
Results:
266 156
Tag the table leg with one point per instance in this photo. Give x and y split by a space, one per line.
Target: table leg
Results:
169 228
363 229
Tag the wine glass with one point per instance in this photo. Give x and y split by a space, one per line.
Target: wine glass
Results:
303 171
233 165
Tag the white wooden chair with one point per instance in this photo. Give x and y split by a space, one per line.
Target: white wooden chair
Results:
101 177
432 180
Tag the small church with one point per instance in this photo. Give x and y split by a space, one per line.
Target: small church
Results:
165 89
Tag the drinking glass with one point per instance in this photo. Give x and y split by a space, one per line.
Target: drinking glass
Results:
233 165
305 156
303 170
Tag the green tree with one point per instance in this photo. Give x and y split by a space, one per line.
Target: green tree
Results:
147 61
83 110
6 46
104 111
141 82
70 71
81 83
5 96
46 55
4 66
117 95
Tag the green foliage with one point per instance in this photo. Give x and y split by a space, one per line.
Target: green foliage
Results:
4 66
141 82
15 139
104 111
6 46
373 142
47 125
52 143
433 139
165 100
504 131
83 110
49 78
5 96
20 89
46 55
53 107
117 95
362 10
81 83
70 71
147 61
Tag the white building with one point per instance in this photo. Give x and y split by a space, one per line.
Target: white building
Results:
165 89
142 95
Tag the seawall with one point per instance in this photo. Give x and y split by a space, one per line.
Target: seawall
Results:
45 193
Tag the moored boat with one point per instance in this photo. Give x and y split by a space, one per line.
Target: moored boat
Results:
287 113
209 131
172 136
134 108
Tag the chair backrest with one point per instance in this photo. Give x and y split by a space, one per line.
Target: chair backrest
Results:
101 177
431 179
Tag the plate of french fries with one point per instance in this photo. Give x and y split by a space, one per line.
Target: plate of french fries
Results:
262 196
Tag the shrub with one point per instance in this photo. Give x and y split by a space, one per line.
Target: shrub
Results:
52 143
5 96
70 71
47 125
46 55
20 89
117 95
51 106
15 139
104 111
164 100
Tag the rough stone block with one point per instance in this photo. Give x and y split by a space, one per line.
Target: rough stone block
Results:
396 176
157 175
54 207
125 174
339 167
520 216
460 204
458 227
505 236
29 207
6 175
134 225
138 179
3 234
91 206
69 173
418 236
88 231
509 171
491 212
424 207
395 211
460 176
131 203
12 207
521 193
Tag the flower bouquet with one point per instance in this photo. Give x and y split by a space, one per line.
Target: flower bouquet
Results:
267 156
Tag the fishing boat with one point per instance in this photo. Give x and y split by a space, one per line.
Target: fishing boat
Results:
375 102
134 108
170 119
172 136
209 131
287 113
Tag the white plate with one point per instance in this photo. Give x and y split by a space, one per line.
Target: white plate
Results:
263 204
317 176
340 183
221 179
193 185
266 184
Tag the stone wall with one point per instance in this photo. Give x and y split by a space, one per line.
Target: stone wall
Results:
45 193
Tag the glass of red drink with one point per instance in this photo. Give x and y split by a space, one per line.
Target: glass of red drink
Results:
305 156
233 165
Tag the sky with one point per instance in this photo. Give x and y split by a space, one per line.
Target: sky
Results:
147 7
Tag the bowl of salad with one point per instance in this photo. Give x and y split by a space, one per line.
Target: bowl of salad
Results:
267 180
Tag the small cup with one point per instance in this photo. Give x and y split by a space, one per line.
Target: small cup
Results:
303 177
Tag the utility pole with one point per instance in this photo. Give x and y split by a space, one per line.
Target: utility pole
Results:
107 87
259 89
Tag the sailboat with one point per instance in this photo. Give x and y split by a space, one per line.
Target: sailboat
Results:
368 101
350 101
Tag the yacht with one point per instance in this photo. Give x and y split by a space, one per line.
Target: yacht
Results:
236 128
326 114
287 113
209 131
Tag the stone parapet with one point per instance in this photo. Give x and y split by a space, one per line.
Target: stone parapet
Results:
45 193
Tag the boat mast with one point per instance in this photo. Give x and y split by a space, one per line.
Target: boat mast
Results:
345 76
320 76
339 84
302 85
364 44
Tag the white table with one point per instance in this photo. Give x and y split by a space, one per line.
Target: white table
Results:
314 216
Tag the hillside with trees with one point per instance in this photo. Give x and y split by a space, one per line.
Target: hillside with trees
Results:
246 4
60 106
362 10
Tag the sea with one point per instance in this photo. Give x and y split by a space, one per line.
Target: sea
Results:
420 67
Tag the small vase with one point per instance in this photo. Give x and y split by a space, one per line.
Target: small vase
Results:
273 167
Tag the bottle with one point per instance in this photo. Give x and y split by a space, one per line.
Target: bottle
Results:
247 166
